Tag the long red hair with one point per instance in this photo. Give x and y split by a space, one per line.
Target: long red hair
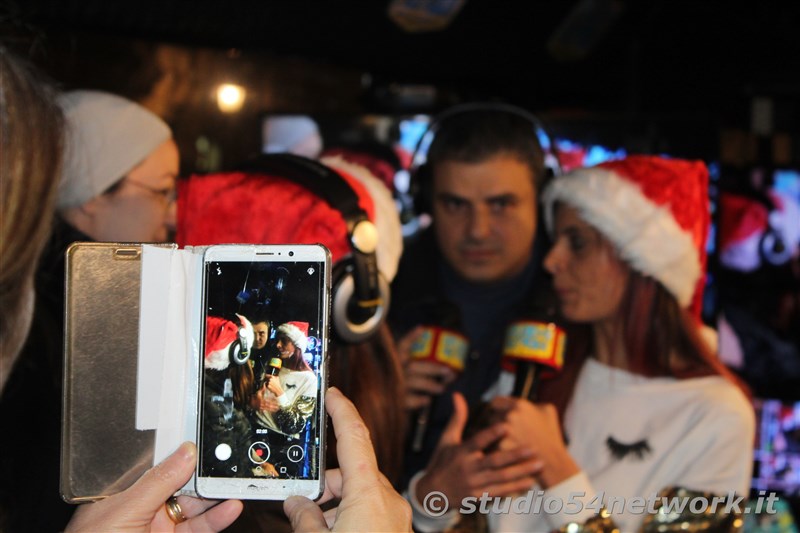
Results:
654 328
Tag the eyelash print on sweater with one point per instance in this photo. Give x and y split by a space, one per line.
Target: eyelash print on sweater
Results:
620 450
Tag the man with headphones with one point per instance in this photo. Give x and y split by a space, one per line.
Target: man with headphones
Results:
480 261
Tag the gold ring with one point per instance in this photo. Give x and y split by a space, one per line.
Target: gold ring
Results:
174 511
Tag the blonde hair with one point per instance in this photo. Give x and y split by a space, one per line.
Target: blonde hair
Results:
31 142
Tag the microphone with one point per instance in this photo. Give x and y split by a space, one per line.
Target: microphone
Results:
533 348
274 367
536 349
442 346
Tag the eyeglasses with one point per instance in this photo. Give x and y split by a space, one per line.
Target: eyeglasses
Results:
166 195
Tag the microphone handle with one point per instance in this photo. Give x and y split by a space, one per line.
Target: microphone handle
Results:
526 384
421 427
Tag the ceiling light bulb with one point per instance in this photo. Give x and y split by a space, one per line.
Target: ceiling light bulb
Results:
230 97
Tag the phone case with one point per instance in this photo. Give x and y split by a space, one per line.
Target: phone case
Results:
132 362
102 451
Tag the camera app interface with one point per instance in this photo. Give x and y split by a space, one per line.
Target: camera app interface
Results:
261 383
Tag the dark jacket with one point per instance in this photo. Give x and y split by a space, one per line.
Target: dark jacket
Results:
427 290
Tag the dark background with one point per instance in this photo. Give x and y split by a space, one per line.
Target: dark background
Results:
653 76
656 75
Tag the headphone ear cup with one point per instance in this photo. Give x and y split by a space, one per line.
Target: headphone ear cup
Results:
236 355
343 291
772 248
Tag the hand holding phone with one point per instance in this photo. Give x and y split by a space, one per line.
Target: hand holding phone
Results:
266 439
141 506
368 501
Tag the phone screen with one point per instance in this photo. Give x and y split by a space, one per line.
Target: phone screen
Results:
261 418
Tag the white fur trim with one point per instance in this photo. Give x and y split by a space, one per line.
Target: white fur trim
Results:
297 337
219 359
645 234
387 218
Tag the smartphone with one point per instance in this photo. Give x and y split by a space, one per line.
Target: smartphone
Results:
261 423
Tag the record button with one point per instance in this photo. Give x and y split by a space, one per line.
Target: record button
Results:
258 452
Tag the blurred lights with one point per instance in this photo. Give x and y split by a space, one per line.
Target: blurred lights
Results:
230 97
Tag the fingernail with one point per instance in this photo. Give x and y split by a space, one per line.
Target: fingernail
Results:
186 451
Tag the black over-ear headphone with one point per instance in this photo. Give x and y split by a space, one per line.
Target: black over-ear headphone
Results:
421 174
360 293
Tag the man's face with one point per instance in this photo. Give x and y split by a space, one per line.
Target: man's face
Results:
142 208
485 216
261 331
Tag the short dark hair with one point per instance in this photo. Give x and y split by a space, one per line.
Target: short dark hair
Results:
473 136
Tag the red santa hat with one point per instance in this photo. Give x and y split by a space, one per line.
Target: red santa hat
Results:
653 209
379 167
742 222
297 332
239 207
220 334
745 223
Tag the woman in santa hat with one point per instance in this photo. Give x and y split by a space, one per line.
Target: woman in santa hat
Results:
643 406
286 404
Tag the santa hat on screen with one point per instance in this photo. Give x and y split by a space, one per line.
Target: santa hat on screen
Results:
220 334
750 233
247 207
297 332
653 209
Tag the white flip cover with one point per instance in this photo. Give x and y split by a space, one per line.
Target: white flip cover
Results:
169 358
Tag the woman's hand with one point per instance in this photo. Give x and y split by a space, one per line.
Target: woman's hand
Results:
537 426
368 501
473 467
274 386
261 401
141 506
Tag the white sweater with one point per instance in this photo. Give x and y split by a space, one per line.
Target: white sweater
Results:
692 433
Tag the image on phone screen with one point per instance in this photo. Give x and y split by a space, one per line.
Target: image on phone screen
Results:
261 385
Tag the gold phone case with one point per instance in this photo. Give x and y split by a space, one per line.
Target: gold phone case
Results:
102 452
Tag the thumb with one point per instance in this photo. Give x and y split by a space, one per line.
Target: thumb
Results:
455 427
164 479
304 515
